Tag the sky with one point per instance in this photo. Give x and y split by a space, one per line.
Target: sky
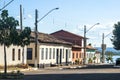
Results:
71 16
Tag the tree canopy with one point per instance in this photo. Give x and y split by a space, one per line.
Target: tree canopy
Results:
116 36
10 35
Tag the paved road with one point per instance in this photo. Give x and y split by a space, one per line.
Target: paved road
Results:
74 74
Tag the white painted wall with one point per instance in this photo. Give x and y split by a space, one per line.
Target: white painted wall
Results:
89 55
97 58
9 55
53 60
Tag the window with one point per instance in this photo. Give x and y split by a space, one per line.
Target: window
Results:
29 53
80 55
42 53
73 55
19 56
50 55
13 54
53 53
46 53
76 55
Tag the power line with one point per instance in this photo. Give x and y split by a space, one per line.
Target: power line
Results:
6 5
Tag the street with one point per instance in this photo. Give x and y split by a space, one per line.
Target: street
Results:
74 74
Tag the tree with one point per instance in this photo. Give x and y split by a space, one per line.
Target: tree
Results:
116 36
109 55
9 35
94 58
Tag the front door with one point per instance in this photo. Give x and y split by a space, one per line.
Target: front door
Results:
60 56
57 56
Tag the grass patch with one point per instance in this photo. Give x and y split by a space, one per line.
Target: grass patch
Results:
12 75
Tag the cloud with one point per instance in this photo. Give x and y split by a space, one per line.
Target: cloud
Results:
29 16
95 33
18 17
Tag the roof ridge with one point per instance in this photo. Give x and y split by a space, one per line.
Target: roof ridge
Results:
67 32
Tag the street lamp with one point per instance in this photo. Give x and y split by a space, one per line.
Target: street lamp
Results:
85 31
36 30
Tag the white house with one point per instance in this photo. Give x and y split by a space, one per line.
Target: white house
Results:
92 56
50 51
14 55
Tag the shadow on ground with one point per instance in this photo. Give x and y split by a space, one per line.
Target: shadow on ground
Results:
91 76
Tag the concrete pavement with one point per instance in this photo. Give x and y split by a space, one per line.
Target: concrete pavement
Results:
99 72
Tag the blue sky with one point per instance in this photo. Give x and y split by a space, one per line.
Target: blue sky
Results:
71 16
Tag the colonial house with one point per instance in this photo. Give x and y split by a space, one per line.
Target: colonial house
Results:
14 54
50 50
92 56
76 40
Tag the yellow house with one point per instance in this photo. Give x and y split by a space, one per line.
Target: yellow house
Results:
50 51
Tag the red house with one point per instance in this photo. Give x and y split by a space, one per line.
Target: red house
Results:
76 40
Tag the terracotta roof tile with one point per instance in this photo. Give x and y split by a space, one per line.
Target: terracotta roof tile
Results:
90 47
42 37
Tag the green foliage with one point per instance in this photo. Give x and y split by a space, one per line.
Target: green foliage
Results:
94 58
10 35
13 75
77 61
116 36
109 53
109 56
90 60
7 25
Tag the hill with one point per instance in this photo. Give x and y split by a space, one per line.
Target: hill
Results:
111 49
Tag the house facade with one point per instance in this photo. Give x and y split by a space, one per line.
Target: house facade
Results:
76 40
92 56
50 51
14 55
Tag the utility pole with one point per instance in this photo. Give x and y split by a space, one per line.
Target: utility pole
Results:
36 37
103 48
84 60
21 27
85 31
36 31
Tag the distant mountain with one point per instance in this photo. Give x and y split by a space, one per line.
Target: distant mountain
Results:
108 49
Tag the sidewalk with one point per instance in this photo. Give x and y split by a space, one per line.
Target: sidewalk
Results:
87 66
65 67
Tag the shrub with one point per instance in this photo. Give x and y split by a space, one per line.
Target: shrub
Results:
12 75
90 60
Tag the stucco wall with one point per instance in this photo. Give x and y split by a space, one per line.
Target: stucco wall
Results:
53 61
9 55
32 45
48 61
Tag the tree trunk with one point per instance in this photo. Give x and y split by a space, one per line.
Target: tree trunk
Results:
23 55
5 60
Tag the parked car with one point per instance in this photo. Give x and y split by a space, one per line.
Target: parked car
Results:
118 61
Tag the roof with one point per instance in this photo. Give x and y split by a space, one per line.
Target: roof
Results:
46 38
90 47
75 39
66 33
